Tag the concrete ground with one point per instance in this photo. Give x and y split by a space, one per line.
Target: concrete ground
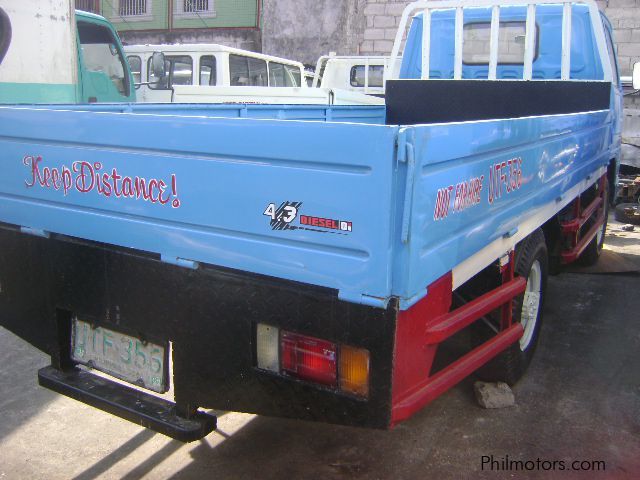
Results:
580 400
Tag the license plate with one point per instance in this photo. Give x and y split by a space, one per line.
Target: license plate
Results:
122 356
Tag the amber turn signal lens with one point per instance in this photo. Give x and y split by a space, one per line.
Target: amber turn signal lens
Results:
354 370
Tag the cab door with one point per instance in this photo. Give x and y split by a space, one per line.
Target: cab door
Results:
104 73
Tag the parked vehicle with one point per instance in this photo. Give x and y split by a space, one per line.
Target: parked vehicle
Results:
210 73
355 73
74 59
311 261
208 64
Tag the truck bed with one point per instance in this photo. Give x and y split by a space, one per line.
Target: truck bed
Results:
220 167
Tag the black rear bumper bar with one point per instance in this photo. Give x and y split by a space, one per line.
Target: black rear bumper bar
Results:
136 406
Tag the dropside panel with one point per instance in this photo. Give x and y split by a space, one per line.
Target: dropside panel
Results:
304 201
479 185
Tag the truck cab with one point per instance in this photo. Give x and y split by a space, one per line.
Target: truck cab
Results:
104 74
78 58
362 74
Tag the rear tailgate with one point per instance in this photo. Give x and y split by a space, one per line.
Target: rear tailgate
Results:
199 189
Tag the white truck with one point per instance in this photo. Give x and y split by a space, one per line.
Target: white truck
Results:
355 73
208 64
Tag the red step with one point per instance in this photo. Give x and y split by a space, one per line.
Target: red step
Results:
446 378
446 325
575 224
572 255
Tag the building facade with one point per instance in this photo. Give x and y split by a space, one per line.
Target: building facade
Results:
235 23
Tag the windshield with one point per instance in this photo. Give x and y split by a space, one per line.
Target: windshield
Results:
100 54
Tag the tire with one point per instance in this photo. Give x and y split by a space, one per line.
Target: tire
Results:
628 213
591 254
532 262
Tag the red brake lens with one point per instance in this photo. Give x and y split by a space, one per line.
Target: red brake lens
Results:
309 358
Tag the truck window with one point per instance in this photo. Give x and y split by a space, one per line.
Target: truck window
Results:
5 34
476 39
282 75
376 74
135 63
258 72
309 79
207 70
179 70
247 71
100 54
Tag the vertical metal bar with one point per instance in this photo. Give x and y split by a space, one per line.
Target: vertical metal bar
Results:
366 75
529 42
508 274
598 30
170 15
426 42
402 28
457 61
566 42
493 42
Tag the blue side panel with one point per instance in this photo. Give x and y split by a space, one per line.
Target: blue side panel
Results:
585 63
365 203
539 159
211 182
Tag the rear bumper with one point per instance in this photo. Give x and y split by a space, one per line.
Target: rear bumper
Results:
208 314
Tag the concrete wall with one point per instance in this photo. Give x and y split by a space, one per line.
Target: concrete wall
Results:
304 30
382 18
247 39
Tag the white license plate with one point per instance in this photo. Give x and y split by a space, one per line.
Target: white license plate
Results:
122 356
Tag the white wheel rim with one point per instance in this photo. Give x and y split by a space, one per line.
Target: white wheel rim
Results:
531 304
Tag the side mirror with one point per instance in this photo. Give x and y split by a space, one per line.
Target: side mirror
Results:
158 67
635 78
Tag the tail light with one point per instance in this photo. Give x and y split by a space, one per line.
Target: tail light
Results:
354 370
309 358
313 359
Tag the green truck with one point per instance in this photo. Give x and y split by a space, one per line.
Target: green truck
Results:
82 62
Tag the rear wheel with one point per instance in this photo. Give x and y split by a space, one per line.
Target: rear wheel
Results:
531 263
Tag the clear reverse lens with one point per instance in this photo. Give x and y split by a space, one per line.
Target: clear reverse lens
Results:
267 348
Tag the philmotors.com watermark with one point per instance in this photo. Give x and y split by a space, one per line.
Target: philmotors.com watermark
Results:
507 464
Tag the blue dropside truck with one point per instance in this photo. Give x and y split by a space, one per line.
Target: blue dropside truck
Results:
309 261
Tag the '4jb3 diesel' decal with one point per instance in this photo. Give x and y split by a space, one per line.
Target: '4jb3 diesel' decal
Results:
284 216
